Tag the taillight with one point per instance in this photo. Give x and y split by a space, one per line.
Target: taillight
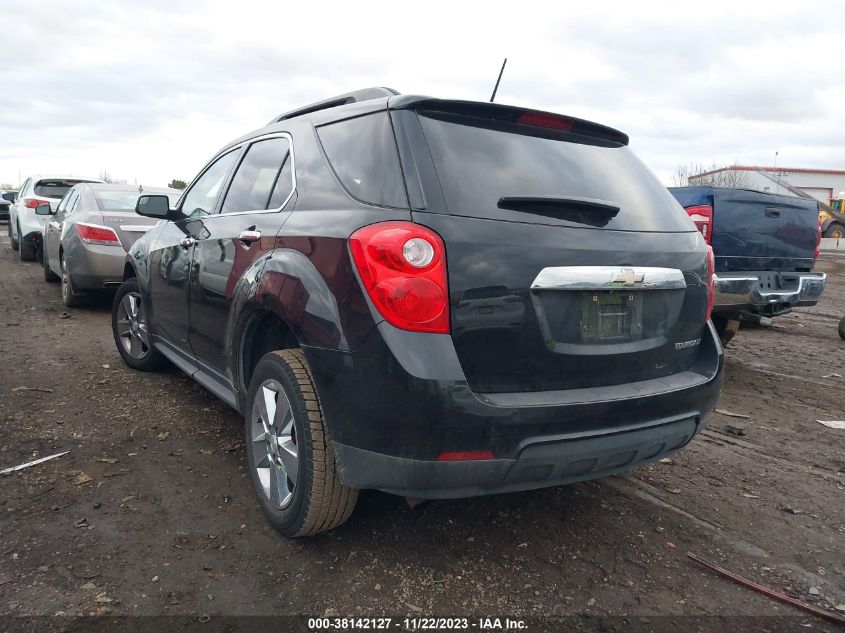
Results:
818 241
711 280
403 268
34 203
96 234
702 217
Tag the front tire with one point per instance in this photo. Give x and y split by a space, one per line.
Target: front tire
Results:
835 230
842 328
131 330
289 449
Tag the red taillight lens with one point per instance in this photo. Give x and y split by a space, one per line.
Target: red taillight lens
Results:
711 280
34 203
460 456
818 241
95 234
702 217
541 119
403 268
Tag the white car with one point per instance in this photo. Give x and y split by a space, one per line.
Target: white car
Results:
25 226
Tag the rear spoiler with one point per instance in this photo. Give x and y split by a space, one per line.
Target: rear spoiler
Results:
535 122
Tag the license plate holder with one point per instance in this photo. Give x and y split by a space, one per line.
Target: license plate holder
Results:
611 316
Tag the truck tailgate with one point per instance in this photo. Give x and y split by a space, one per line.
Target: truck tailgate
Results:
760 231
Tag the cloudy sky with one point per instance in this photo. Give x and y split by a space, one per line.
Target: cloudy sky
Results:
149 91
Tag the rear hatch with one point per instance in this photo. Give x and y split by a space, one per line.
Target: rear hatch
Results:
756 231
569 264
52 190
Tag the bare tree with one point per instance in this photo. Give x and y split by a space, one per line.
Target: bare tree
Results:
691 174
106 177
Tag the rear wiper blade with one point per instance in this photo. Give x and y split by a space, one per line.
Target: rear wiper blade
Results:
589 211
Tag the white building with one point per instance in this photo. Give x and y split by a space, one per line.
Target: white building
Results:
822 184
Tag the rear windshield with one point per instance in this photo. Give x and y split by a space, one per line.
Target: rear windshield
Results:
54 188
478 166
124 200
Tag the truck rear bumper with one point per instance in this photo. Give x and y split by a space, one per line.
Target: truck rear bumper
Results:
767 292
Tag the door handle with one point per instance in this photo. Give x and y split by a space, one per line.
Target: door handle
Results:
249 236
187 242
772 212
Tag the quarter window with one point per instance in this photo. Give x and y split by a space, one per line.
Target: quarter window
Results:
259 176
202 197
362 152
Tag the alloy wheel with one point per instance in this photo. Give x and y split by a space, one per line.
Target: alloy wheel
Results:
274 450
132 328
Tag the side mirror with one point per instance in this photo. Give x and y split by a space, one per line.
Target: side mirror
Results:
43 209
153 207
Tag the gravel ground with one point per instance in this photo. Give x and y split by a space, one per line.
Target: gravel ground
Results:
151 512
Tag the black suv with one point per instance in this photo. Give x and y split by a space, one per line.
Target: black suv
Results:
428 297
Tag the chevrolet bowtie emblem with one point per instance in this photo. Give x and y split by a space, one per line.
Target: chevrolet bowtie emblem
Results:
627 277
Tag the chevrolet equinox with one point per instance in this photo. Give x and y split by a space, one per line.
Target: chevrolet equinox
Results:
429 297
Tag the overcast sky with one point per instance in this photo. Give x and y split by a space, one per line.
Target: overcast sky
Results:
149 91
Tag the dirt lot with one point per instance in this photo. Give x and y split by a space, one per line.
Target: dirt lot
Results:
151 511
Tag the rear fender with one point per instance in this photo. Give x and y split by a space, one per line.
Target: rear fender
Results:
292 287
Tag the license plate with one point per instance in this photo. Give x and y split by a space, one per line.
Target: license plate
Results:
611 317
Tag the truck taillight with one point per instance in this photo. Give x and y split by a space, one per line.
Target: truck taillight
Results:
34 203
96 234
711 280
702 217
402 266
818 241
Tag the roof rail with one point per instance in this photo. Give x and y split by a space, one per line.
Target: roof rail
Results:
355 96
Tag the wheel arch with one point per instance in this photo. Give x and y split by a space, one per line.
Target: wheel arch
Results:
263 331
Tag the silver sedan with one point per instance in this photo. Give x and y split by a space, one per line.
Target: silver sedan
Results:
86 240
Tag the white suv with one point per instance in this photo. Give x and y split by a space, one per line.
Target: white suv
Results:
25 227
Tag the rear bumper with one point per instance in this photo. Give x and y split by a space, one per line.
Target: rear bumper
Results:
94 266
400 400
767 292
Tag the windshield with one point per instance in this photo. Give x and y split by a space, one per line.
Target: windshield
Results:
477 167
124 200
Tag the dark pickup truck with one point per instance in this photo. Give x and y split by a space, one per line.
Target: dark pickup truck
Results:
765 247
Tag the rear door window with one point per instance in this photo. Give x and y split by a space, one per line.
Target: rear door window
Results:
257 176
362 152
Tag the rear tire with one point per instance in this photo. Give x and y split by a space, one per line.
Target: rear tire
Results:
12 240
726 328
293 438
842 328
49 275
133 343
26 250
70 296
